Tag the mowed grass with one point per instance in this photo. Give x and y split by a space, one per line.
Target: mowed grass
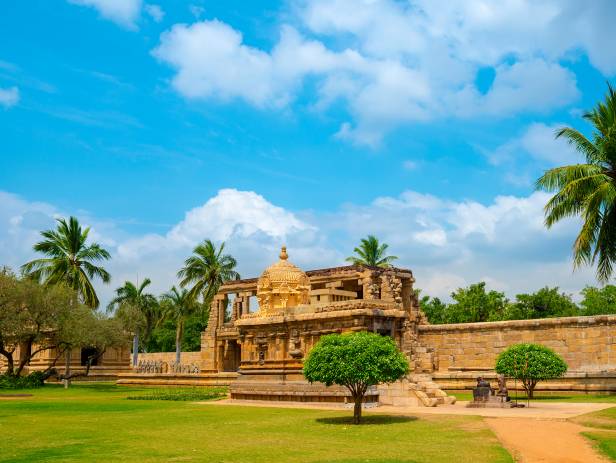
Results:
97 423
603 435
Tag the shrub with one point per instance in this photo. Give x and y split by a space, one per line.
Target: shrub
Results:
530 363
32 381
356 361
184 394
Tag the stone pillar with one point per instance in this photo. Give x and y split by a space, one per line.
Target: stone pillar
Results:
371 285
236 309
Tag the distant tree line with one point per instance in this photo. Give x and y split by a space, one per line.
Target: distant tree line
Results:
477 304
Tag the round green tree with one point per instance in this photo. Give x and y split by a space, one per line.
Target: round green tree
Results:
356 361
530 363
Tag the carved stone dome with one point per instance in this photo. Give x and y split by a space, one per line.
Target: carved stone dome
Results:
282 285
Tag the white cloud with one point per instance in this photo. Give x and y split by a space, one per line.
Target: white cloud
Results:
393 63
538 142
532 86
231 214
9 96
122 12
446 243
155 11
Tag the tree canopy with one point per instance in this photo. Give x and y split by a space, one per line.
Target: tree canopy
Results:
356 361
372 253
477 304
588 190
138 311
206 270
598 301
530 363
39 318
70 260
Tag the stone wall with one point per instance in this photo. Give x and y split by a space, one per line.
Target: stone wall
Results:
587 344
186 359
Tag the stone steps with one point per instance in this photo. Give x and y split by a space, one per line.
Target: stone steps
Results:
414 390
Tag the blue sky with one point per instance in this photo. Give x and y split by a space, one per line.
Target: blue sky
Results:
308 123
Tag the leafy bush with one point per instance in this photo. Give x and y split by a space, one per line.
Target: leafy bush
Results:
530 363
32 381
356 361
183 394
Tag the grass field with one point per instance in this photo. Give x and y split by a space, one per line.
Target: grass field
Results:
604 433
97 423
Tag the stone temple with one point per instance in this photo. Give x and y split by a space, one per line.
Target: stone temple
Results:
261 329
295 308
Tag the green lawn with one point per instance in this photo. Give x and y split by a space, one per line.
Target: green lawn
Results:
97 423
604 433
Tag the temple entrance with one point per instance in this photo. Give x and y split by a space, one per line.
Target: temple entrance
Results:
231 355
89 352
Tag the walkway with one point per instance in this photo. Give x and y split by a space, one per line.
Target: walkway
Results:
544 441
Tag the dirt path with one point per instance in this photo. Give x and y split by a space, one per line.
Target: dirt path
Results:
544 441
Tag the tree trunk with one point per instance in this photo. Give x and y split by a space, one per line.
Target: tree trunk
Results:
530 388
357 408
10 364
67 368
25 360
135 347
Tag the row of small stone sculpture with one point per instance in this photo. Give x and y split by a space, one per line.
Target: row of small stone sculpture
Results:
160 366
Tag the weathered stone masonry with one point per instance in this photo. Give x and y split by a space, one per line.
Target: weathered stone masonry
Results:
588 345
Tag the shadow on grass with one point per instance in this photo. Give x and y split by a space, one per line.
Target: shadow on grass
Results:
368 419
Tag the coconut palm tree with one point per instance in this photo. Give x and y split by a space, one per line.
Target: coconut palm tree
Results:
372 253
206 270
178 306
70 260
138 310
588 190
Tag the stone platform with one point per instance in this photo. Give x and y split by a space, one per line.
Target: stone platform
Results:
296 391
176 379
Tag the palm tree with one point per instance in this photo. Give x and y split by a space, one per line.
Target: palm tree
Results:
589 190
206 270
138 310
178 306
70 260
371 253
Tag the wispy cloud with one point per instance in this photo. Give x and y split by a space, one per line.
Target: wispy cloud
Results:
9 96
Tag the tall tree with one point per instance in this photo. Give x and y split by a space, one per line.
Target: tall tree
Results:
206 270
372 253
589 190
138 310
70 260
178 306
